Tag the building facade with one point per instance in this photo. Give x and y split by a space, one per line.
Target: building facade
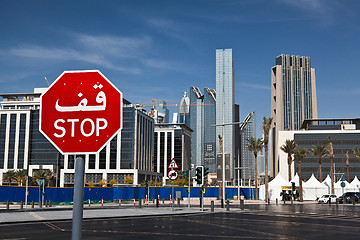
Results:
161 112
248 131
22 146
225 107
185 109
345 136
171 141
209 120
293 98
197 125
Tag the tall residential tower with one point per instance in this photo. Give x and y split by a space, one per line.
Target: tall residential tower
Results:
293 98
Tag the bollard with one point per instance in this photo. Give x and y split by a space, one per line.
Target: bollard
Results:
329 201
268 201
46 203
134 202
212 205
21 204
277 202
50 203
337 202
292 201
157 202
89 202
7 205
32 204
119 201
102 202
40 203
353 201
178 202
227 205
140 200
242 202
222 203
163 201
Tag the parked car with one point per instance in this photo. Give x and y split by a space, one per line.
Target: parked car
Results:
349 197
325 198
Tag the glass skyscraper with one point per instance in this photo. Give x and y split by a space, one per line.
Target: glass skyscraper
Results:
196 124
225 107
248 131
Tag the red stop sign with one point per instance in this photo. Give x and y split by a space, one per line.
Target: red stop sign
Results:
80 112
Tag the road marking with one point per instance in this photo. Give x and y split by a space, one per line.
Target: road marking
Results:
36 216
54 227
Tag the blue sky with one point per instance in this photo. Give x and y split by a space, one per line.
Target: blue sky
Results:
158 49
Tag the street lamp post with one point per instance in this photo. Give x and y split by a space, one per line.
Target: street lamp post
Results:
223 152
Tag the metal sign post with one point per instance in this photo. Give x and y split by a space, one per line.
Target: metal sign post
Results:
79 114
78 199
173 175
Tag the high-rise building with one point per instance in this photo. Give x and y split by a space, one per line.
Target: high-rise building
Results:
248 131
293 98
209 129
185 109
196 124
225 107
202 121
161 112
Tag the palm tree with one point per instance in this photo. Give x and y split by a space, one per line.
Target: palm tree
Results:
347 165
289 148
20 175
356 152
9 176
255 145
300 154
47 174
266 127
220 143
331 154
320 151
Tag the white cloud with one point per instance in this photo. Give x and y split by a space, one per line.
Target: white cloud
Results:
126 54
255 86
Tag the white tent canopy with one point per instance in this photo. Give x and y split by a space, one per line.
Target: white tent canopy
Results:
356 183
274 188
313 189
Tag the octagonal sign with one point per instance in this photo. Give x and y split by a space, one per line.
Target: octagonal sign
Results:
80 112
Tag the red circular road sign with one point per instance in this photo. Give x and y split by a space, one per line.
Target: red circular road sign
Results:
173 175
80 112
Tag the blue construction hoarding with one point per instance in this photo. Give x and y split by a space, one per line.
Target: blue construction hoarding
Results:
17 194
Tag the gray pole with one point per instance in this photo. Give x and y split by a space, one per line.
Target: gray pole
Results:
173 197
78 199
189 187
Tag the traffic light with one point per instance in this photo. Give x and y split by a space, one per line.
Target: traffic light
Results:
293 186
206 172
146 185
199 175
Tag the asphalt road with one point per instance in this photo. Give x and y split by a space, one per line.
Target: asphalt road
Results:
261 222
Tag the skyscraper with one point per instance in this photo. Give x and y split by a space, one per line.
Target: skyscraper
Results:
225 107
248 131
293 98
202 118
185 109
161 112
196 124
209 129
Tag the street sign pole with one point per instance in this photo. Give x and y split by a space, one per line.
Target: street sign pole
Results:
173 197
189 187
78 199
